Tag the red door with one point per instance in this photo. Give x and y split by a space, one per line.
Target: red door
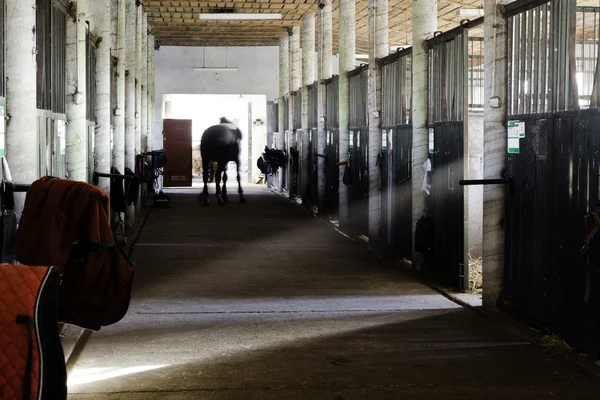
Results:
177 143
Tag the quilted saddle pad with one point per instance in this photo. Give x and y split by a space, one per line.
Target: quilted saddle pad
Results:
32 363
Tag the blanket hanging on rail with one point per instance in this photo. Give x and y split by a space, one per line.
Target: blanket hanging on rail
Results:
67 224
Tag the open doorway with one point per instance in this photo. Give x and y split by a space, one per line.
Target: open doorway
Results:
248 112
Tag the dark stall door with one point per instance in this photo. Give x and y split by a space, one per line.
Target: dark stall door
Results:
177 143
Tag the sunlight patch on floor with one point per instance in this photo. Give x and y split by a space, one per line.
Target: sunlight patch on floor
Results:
81 376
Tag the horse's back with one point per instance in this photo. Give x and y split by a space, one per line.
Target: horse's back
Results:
217 142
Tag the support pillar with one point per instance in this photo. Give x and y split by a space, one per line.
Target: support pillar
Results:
347 50
424 19
295 84
130 56
138 79
308 78
100 25
21 95
325 67
144 115
138 92
284 89
378 48
76 140
494 150
151 90
119 111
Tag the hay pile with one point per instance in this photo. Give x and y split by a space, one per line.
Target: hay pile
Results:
196 161
555 342
475 274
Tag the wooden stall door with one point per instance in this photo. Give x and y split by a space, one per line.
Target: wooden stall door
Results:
177 143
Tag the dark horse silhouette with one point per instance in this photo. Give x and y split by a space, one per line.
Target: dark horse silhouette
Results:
220 143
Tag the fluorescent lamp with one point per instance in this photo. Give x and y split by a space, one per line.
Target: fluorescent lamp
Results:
361 56
215 69
238 16
470 12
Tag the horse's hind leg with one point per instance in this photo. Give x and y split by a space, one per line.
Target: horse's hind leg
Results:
224 189
218 182
205 163
240 191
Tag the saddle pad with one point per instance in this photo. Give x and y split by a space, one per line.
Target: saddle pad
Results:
32 364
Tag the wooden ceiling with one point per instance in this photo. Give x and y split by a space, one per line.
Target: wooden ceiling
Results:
176 23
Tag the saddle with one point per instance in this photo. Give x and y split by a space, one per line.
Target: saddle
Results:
32 362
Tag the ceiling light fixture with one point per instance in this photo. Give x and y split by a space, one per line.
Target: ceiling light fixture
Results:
238 16
470 12
215 69
204 68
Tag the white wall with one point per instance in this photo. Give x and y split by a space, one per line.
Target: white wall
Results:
475 192
258 74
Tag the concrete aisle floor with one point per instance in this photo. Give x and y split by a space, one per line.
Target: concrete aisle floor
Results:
264 301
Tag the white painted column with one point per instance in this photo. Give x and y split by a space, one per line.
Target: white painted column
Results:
296 60
144 115
325 67
347 50
76 140
424 19
100 25
295 84
138 79
138 93
151 91
378 48
284 89
119 111
494 151
21 91
130 66
308 78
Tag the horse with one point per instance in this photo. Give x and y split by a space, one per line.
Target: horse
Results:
220 143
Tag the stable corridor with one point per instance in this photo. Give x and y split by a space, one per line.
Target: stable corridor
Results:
264 301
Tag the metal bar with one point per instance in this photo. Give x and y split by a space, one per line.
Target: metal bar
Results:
451 79
564 55
520 6
544 60
518 87
394 56
402 90
464 74
470 73
586 81
535 69
103 175
529 58
451 34
473 182
18 187
431 86
329 80
552 59
444 72
437 79
460 91
511 75
523 63
560 46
